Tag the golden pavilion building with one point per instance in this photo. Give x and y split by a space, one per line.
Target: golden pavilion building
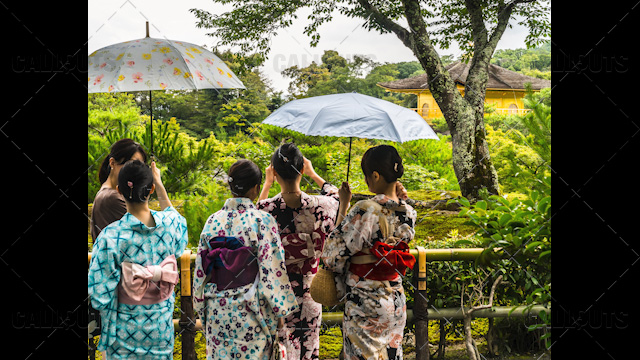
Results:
505 89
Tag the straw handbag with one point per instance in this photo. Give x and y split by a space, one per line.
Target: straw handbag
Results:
323 288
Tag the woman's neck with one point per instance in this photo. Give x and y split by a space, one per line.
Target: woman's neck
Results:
390 192
291 194
110 183
141 212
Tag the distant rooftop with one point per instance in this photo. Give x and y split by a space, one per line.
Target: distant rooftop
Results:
499 78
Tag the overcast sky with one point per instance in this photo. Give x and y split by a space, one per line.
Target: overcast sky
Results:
117 21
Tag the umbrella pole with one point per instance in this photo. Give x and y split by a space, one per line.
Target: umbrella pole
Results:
349 164
151 112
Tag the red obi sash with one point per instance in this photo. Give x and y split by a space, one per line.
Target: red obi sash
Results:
300 251
396 260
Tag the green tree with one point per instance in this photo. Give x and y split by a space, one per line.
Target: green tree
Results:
431 23
221 111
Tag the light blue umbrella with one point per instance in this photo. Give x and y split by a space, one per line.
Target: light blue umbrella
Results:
351 115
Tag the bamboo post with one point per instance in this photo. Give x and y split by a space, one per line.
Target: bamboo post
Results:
420 313
187 318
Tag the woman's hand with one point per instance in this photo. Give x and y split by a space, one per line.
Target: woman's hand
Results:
157 180
344 193
269 177
163 197
401 192
307 169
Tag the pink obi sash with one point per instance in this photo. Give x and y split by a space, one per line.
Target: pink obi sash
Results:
146 285
300 251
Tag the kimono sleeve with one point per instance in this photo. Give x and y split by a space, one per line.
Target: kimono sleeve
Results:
198 272
179 228
329 206
328 189
274 284
354 233
104 272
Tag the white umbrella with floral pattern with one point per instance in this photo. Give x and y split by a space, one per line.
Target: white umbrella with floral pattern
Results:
157 64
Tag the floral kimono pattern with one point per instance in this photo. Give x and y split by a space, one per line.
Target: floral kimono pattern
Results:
135 331
375 311
241 323
301 334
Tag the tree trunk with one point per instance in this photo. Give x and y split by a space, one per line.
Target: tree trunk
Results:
471 160
468 340
443 340
464 115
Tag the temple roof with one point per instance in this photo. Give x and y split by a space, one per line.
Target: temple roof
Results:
499 78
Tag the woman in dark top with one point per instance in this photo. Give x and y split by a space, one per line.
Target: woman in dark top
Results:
109 205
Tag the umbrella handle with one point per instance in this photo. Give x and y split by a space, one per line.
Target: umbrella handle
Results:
349 164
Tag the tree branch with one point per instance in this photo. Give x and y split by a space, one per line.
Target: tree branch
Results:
403 34
441 86
479 30
490 304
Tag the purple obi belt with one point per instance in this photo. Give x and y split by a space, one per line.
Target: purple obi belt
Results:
228 264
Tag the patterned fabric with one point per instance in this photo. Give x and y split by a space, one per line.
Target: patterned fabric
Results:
241 323
316 216
375 311
157 64
138 331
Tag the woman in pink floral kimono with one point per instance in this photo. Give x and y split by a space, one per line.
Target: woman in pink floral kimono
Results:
369 253
304 222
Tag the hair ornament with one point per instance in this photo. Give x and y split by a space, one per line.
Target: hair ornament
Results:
130 185
395 167
280 155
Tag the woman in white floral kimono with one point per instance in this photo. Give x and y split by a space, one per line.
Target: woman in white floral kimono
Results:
304 222
368 251
240 287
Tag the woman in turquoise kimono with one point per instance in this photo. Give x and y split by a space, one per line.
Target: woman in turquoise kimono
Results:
241 289
369 253
133 270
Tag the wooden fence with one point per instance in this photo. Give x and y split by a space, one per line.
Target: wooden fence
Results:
188 325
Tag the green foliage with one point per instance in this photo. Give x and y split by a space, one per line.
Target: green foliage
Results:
534 62
181 158
417 177
516 235
330 343
339 75
433 156
197 208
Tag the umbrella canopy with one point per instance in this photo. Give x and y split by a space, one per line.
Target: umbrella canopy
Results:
157 64
351 115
